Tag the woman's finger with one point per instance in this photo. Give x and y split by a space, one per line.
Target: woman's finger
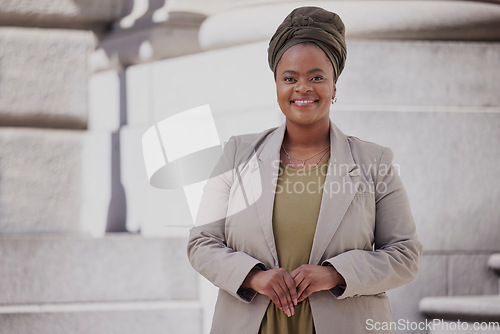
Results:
278 302
301 287
275 299
285 297
292 287
306 293
298 279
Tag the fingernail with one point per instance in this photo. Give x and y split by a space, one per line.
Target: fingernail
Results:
295 302
288 313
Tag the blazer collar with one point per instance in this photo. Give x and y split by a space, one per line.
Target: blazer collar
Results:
341 169
340 148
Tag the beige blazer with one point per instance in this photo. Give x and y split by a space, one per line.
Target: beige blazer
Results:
365 230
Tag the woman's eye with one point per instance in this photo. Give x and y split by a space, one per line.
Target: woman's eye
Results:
288 79
317 78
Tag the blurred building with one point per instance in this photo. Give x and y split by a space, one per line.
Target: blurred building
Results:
88 246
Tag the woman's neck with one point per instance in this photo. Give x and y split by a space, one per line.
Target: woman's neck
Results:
303 139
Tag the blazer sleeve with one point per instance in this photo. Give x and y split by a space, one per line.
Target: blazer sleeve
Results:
207 247
397 250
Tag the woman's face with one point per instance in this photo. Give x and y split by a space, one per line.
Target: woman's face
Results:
305 84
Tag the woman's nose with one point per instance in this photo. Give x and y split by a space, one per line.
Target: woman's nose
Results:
303 86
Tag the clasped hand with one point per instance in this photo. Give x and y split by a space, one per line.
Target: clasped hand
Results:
286 290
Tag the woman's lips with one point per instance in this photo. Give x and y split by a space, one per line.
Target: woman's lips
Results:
304 102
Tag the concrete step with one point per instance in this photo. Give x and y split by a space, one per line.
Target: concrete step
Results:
464 308
160 317
71 269
462 314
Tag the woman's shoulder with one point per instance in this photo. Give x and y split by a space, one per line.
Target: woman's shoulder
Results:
246 141
364 151
243 146
254 139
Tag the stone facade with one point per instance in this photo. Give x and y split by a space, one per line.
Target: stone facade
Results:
60 187
80 81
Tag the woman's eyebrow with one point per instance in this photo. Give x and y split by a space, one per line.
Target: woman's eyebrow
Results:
315 70
308 72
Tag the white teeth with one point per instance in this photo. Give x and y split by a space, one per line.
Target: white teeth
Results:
304 101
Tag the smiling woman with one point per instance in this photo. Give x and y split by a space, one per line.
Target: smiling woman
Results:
304 261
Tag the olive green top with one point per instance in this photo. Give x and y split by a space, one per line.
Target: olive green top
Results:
296 209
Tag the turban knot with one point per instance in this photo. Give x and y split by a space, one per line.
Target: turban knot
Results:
301 20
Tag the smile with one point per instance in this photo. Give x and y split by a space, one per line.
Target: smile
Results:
304 103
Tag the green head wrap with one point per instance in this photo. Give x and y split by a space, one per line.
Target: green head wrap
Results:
310 24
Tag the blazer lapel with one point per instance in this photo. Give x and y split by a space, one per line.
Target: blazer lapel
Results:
265 178
338 193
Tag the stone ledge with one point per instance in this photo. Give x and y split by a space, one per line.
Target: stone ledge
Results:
62 13
98 307
108 318
148 41
494 263
429 20
464 308
55 268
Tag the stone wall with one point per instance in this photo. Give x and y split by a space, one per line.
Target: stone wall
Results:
60 187
43 110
